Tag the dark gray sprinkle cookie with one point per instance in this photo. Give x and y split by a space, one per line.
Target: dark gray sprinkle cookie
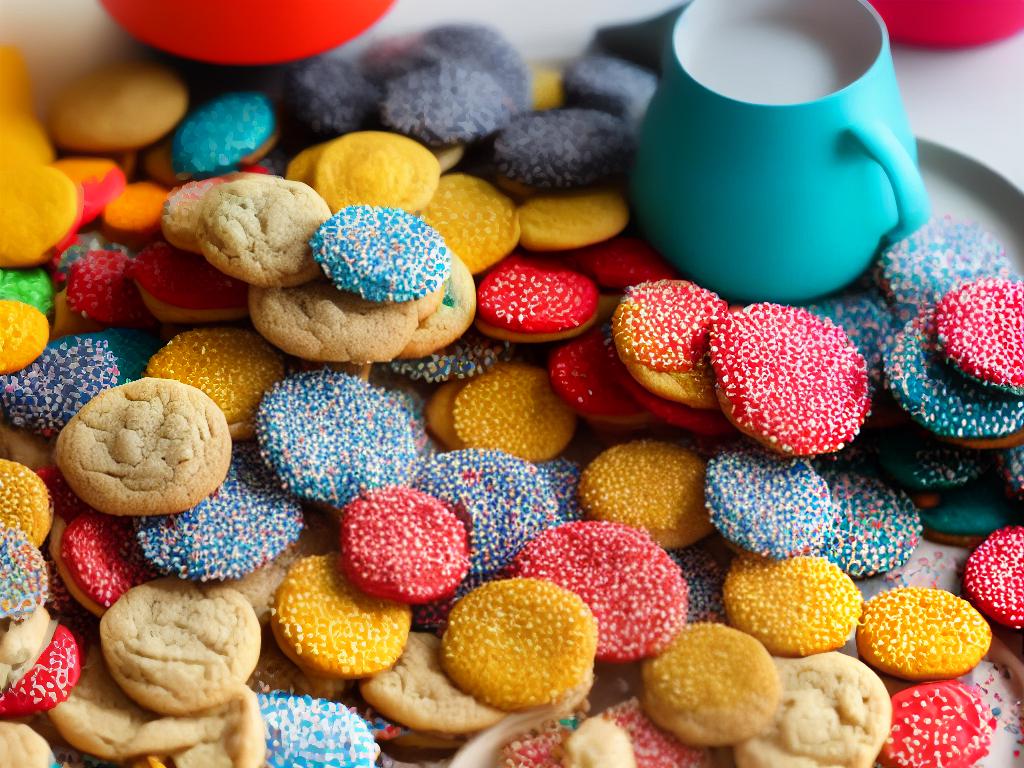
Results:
611 85
330 95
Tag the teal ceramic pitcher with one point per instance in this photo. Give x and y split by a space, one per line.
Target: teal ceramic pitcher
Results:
776 155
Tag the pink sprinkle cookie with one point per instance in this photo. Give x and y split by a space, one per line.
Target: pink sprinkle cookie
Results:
49 682
653 747
994 576
535 750
664 325
790 380
635 591
535 297
938 725
402 544
980 327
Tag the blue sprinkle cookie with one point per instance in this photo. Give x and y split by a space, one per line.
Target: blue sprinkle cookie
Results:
943 401
72 370
611 85
877 527
470 356
222 134
563 148
563 479
414 404
505 501
328 436
918 271
303 732
769 505
24 580
383 254
919 463
330 96
705 579
966 516
445 103
247 522
1011 467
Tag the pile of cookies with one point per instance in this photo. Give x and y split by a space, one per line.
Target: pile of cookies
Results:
340 427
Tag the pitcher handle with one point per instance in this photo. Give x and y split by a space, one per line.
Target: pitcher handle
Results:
912 203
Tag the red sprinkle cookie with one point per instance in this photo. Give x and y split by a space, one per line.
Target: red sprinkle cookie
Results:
66 504
700 421
980 327
535 299
49 682
938 725
653 747
635 591
994 576
620 262
583 374
402 544
788 379
100 289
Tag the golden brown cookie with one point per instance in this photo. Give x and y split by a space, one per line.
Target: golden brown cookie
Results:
21 643
451 319
21 747
150 447
24 447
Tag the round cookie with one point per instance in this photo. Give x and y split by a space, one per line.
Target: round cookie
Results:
768 505
223 133
319 452
468 356
100 180
834 711
598 742
558 221
793 382
512 408
475 219
22 643
24 579
373 168
652 485
964 516
24 501
257 229
451 319
440 415
796 607
383 254
329 95
100 288
653 747
905 633
920 464
150 447
713 686
535 300
938 725
121 106
24 336
39 205
563 148
610 84
328 627
133 217
994 576
48 682
303 732
980 328
24 747
417 693
199 646
519 643
700 421
179 219
704 580
621 262
30 286
635 592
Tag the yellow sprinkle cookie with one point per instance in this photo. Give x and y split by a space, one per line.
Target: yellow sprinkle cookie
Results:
512 408
547 87
519 643
712 686
24 140
918 633
234 366
24 332
375 168
795 607
24 501
440 417
330 628
558 221
38 205
476 220
652 485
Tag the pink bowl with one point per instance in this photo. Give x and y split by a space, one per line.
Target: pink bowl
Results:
951 23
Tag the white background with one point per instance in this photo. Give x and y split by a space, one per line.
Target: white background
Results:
972 100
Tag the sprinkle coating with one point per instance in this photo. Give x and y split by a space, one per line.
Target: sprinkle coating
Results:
704 580
222 133
1011 466
329 95
24 582
186 279
465 358
994 576
563 479
583 374
25 331
48 682
103 558
303 732
653 747
24 501
100 288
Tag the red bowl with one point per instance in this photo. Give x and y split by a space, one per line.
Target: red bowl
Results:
951 23
251 32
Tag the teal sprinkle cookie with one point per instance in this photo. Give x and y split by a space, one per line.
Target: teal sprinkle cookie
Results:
769 505
245 523
470 356
1011 467
940 399
222 134
383 254
303 732
973 512
877 527
705 579
329 436
29 286
24 582
917 272
922 464
563 479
